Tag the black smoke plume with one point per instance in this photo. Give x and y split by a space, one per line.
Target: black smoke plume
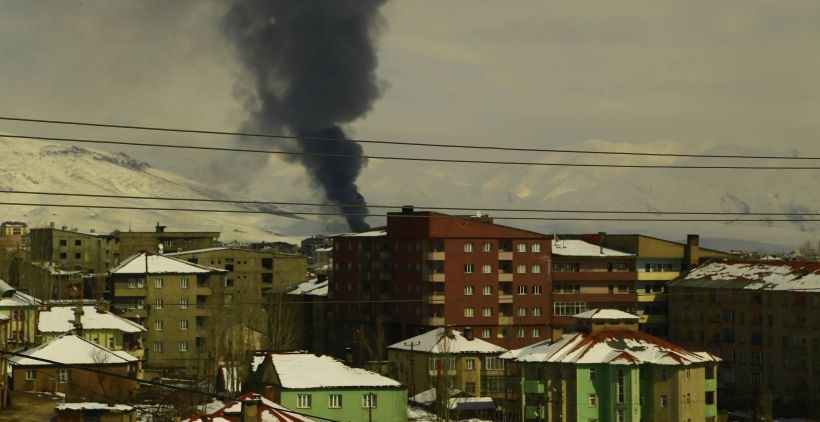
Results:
312 64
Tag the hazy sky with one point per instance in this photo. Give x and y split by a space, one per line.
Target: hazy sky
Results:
733 74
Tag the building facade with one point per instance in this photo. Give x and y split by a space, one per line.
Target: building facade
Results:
762 318
610 371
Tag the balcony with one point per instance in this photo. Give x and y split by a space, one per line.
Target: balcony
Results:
502 277
435 298
436 277
505 255
136 292
505 320
435 256
505 297
433 321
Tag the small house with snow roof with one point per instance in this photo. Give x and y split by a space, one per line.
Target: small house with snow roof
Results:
93 323
464 362
324 387
251 407
22 312
610 371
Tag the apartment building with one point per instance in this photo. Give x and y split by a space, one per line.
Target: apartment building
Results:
179 303
657 262
762 318
610 371
426 270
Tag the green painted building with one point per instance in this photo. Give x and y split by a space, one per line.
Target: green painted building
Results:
610 371
21 309
323 387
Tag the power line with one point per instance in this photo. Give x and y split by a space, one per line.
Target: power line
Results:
314 204
399 143
414 159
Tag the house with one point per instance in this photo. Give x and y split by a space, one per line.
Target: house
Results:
763 319
94 323
93 411
426 270
21 309
76 367
251 407
180 303
445 358
610 371
323 387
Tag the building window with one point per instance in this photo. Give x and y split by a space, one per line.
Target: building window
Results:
536 268
619 385
487 291
78 255
158 346
159 303
136 283
535 247
159 283
159 325
591 374
183 324
183 346
620 415
111 343
183 282
522 290
664 400
468 268
62 375
303 401
369 401
487 311
335 401
486 333
521 247
521 269
536 290
520 332
136 303
536 332
492 363
31 374
568 308
469 247
469 364
63 242
183 303
536 311
486 268
592 399
488 247
522 311
469 312
469 387
469 290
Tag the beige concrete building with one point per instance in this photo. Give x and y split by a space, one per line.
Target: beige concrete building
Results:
180 304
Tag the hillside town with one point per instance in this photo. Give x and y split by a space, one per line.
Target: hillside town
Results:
430 317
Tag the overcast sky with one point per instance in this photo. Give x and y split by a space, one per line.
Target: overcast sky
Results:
733 74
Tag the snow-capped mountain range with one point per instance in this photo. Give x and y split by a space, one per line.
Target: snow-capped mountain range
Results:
34 166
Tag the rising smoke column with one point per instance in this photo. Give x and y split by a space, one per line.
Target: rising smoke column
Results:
313 68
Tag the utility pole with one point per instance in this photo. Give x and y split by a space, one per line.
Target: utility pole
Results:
412 344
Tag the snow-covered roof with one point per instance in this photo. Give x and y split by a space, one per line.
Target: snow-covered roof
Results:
10 297
70 349
60 319
268 412
574 247
606 314
312 287
214 249
151 263
96 406
306 370
434 341
369 233
789 276
617 347
328 249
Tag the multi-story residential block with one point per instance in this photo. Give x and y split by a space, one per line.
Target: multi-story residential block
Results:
323 387
21 310
97 252
257 272
610 371
588 276
180 303
307 305
13 228
762 318
444 358
657 262
427 270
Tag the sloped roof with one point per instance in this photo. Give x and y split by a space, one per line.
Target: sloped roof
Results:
312 287
10 297
575 247
308 371
754 275
60 319
606 315
70 349
268 412
616 347
151 263
369 233
434 341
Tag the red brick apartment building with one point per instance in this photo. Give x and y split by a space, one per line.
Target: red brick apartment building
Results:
426 270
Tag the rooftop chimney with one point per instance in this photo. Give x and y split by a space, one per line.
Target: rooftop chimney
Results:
468 333
78 319
691 253
556 333
250 408
601 237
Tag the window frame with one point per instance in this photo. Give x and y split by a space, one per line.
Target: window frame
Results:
370 401
304 401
